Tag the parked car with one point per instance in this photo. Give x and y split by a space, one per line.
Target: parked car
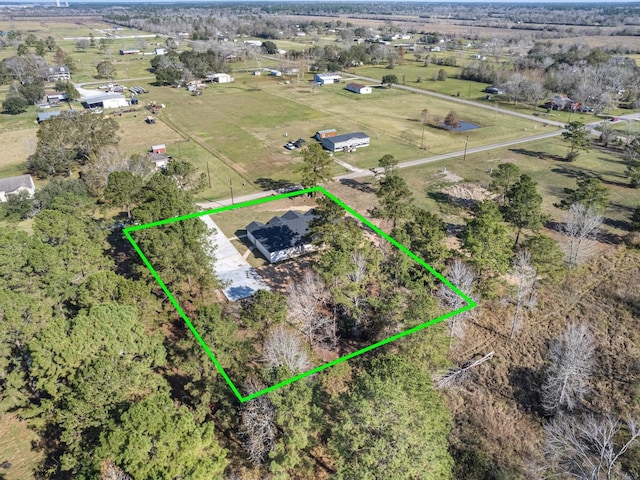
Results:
290 146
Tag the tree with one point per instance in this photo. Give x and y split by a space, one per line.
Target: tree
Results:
442 75
61 57
570 361
523 207
390 424
463 277
590 192
51 43
168 442
525 276
15 104
487 239
258 429
632 159
40 48
82 44
388 164
18 206
105 69
32 91
284 347
269 47
22 50
577 135
316 166
581 226
123 188
388 80
69 90
394 197
304 301
588 446
92 40
504 177
186 176
452 120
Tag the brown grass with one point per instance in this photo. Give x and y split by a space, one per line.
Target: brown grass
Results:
15 447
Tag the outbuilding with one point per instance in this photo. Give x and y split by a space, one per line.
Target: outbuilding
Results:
358 88
220 78
105 101
330 132
160 148
325 78
346 142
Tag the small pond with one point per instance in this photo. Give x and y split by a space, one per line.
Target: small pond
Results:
464 127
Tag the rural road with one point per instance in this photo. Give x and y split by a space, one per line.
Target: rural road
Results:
463 101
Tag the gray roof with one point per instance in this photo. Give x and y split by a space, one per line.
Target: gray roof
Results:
101 98
279 233
345 137
42 116
11 184
328 130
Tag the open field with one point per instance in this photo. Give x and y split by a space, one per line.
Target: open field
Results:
15 448
17 145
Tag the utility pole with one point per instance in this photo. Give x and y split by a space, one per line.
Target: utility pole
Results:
466 141
231 188
209 174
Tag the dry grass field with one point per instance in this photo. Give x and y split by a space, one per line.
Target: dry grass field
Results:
17 145
16 448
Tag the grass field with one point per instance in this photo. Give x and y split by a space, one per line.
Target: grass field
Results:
542 161
15 448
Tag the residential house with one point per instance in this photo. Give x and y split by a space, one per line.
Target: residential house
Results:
13 185
160 160
347 142
160 51
325 78
57 74
320 134
358 88
282 237
55 97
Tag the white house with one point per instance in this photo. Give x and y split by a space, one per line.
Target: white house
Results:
13 185
325 78
358 88
282 237
346 142
56 74
160 51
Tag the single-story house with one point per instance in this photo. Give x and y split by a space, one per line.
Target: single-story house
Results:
325 78
220 78
113 100
330 132
54 97
358 88
291 71
159 51
346 142
13 185
55 74
42 116
562 102
129 51
282 237
160 160
160 148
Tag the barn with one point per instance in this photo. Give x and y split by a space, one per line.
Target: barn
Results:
325 78
105 101
320 134
346 142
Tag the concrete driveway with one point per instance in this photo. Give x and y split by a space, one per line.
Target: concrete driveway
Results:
240 278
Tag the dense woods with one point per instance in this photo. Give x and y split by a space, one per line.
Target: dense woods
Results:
540 380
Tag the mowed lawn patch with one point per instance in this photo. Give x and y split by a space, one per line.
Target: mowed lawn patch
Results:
542 160
17 145
15 448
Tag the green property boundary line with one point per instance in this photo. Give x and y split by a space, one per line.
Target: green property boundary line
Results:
127 232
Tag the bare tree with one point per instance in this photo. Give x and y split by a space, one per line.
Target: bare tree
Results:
581 227
585 447
525 275
95 174
570 362
283 347
258 424
462 276
305 299
110 471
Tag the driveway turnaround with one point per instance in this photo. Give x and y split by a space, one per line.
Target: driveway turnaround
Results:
240 279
